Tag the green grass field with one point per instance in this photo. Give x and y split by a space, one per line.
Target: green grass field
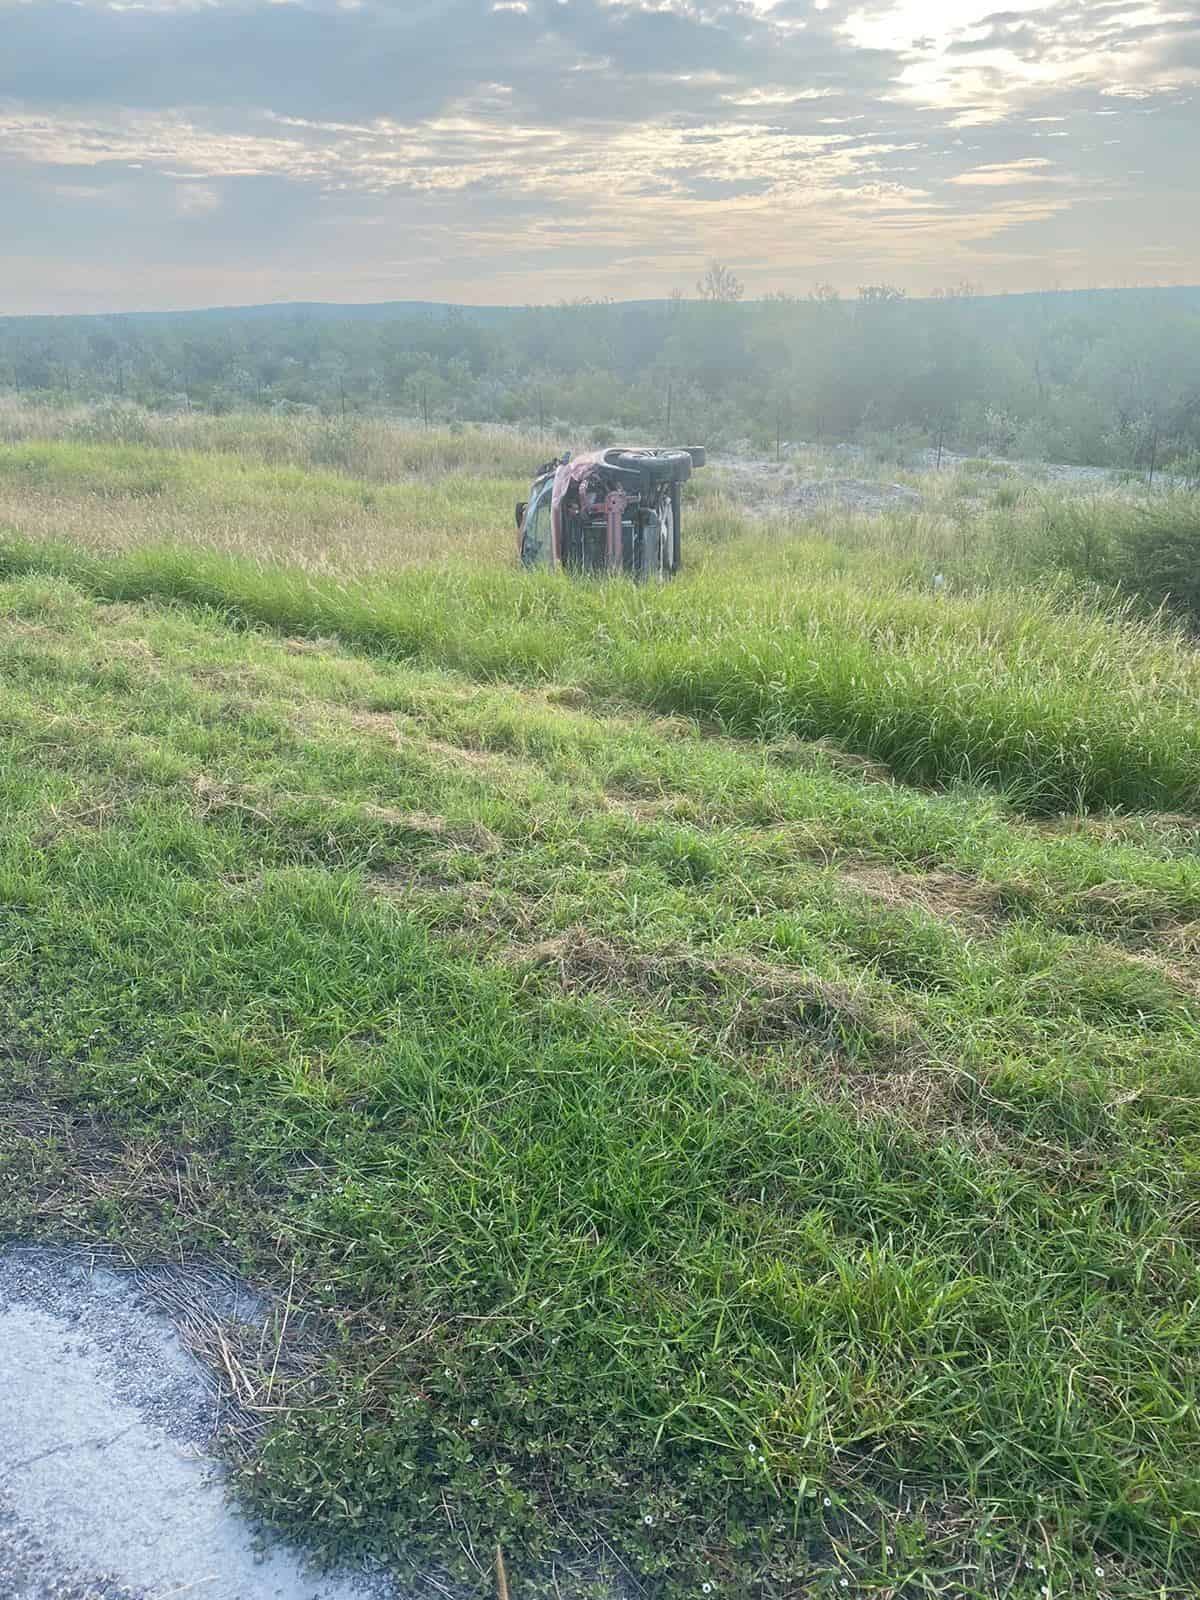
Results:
712 1071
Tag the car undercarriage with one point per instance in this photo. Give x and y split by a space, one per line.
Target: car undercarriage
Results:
608 512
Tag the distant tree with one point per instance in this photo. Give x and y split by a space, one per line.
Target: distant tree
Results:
872 294
824 294
720 284
964 289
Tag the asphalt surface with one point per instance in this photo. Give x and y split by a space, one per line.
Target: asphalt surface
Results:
109 1489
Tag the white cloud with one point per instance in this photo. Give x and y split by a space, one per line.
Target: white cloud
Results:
602 145
1006 174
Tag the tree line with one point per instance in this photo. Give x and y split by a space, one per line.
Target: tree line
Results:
1104 377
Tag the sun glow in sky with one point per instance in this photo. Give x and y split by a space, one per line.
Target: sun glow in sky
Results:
896 27
198 151
960 55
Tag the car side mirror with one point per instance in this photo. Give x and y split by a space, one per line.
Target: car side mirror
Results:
520 512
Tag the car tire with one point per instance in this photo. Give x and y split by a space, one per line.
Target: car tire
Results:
670 466
678 465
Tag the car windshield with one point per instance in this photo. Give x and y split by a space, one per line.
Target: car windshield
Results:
535 543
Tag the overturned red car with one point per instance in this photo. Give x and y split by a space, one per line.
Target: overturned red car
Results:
608 511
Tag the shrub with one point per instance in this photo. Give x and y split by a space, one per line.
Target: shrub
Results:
1149 551
114 421
1160 555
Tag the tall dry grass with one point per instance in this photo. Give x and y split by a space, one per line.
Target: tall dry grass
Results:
377 449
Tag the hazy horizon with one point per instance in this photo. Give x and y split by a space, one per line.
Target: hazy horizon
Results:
173 156
514 306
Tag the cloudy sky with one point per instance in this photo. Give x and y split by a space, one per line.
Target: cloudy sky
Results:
165 153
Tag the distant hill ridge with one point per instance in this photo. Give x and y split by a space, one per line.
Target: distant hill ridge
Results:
1185 296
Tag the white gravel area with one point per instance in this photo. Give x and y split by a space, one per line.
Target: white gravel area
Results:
109 1488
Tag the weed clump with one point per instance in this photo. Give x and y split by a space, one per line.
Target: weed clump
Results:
1148 551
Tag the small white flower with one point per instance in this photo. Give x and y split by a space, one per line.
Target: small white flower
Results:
474 1422
648 1520
827 1501
1045 1588
890 1551
1099 1572
844 1583
706 1588
449 1372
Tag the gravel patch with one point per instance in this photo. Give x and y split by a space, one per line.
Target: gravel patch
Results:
1035 471
775 489
109 1487
782 489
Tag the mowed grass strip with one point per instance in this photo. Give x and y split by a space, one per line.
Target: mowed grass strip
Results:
1060 707
619 1268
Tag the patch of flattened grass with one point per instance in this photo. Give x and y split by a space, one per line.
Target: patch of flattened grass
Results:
955 896
818 755
1101 987
343 824
748 1001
